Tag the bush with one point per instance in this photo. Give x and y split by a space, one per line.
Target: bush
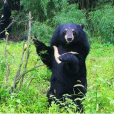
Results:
70 14
42 31
102 23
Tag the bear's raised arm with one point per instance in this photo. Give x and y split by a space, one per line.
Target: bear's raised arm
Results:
45 52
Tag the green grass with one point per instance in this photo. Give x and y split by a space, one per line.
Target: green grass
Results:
32 98
100 67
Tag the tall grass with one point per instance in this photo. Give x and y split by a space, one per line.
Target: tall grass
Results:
32 98
102 23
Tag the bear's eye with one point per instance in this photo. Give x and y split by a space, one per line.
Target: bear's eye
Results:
74 33
65 32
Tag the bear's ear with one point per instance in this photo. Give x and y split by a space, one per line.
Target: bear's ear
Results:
82 26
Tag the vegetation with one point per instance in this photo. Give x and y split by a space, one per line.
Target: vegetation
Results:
32 97
29 95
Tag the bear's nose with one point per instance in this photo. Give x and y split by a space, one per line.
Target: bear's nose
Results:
69 39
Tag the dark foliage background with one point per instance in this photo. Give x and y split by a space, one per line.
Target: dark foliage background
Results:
96 15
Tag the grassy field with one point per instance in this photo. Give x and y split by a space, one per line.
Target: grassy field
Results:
32 96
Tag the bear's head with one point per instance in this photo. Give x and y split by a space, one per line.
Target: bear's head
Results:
68 34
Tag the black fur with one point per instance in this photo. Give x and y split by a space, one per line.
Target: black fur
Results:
5 20
72 69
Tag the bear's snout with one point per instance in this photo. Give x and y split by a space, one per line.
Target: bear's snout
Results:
69 35
69 39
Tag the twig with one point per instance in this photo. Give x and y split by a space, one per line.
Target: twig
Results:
25 72
8 69
8 26
28 41
32 78
31 69
22 75
29 83
12 57
17 73
19 77
28 45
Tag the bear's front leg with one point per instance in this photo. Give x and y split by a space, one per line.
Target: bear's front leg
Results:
44 52
71 61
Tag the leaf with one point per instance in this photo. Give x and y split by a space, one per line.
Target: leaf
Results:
79 85
18 101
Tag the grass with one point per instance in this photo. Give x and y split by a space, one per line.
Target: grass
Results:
100 79
32 97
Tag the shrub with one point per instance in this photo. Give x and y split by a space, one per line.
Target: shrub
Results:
102 23
42 31
70 14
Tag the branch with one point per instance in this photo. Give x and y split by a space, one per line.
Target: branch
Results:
28 45
12 57
8 26
8 69
29 83
25 72
19 77
18 72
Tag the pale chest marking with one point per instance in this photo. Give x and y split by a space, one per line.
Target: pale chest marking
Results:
56 54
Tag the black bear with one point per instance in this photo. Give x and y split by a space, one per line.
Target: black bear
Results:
66 57
5 20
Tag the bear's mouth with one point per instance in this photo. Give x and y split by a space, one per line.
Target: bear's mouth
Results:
69 40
